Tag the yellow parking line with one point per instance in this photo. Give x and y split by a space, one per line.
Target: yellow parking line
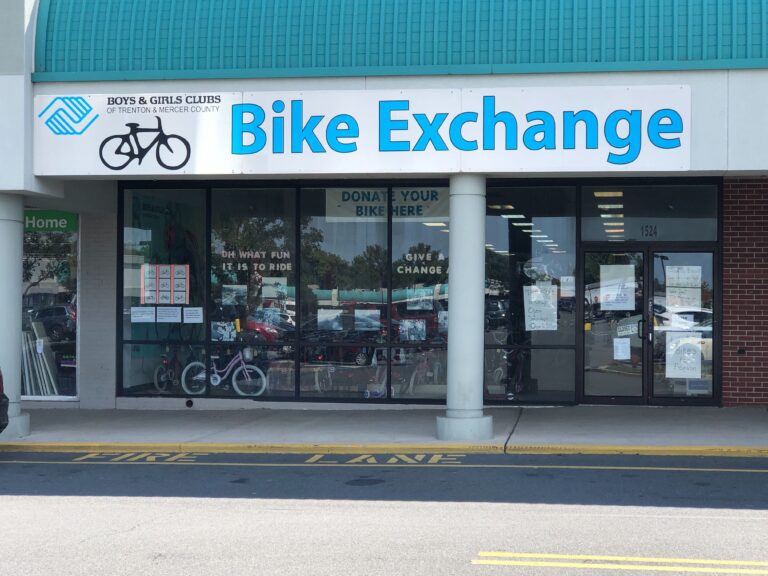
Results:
622 558
630 567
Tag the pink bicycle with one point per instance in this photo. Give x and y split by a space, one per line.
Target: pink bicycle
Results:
247 379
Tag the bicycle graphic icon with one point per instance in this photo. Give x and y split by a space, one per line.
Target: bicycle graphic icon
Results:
171 150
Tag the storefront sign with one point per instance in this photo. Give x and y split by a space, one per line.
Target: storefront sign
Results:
503 130
49 221
408 204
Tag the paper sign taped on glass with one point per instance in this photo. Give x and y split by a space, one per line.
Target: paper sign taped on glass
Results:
617 287
683 286
683 355
540 307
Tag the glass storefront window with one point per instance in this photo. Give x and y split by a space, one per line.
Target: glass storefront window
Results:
343 372
250 371
651 213
420 232
530 263
164 265
344 262
530 375
342 292
157 369
683 324
49 304
419 373
253 265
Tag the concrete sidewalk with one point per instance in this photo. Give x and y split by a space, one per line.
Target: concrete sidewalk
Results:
578 429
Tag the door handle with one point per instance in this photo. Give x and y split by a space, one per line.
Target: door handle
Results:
640 328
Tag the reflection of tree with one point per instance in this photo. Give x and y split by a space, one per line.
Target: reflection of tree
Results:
243 232
427 278
49 256
497 268
320 267
328 270
369 268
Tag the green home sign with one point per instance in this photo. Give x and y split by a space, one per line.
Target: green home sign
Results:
49 221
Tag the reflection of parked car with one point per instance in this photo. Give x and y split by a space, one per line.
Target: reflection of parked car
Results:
35 301
699 346
347 345
60 322
270 324
3 405
495 313
406 323
671 322
261 331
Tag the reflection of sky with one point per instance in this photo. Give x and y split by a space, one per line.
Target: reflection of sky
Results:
408 234
349 239
702 260
562 230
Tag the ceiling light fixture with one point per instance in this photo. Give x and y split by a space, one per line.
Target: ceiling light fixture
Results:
608 194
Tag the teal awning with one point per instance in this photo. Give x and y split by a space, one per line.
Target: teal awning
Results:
79 40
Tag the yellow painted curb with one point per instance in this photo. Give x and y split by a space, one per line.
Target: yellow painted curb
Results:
230 448
609 449
308 448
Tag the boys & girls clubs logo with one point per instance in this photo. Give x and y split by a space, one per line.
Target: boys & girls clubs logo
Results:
73 116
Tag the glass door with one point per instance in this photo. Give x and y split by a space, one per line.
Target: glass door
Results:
683 304
648 332
614 324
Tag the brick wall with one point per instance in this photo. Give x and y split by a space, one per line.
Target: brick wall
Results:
745 291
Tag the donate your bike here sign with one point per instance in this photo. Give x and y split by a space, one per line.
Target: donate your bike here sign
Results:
506 130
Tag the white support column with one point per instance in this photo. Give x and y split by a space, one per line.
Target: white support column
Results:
464 419
11 243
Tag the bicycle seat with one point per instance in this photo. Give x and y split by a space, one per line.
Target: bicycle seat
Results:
132 124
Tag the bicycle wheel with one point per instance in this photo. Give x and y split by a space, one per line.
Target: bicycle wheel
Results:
162 378
193 378
249 380
116 152
172 152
